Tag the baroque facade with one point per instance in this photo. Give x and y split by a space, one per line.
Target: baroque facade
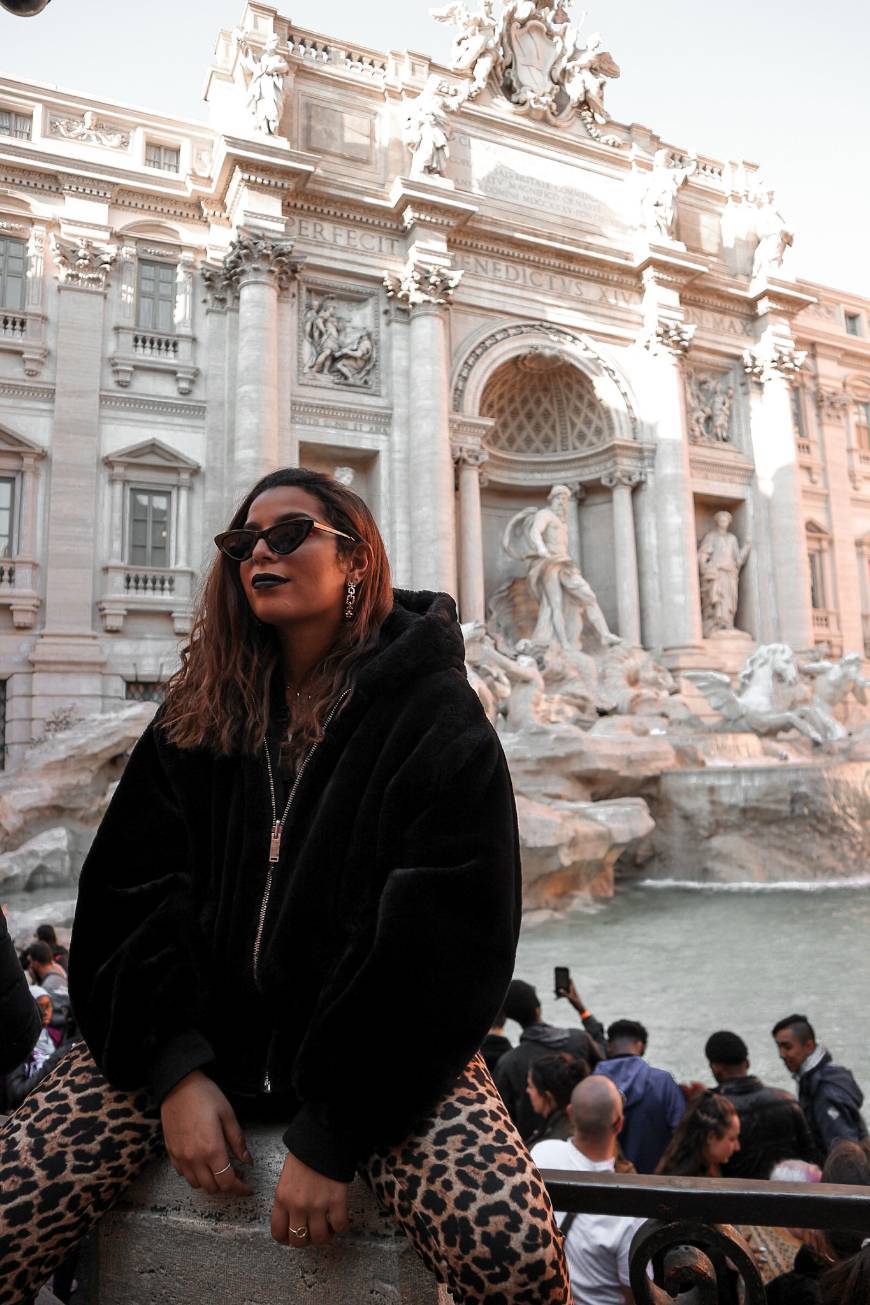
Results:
452 287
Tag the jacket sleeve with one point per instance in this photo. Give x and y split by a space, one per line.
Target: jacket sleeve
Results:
675 1103
135 956
415 1001
20 1021
837 1118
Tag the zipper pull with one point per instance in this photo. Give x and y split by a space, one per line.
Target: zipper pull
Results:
275 843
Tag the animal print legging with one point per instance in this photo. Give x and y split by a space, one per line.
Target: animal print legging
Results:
485 1230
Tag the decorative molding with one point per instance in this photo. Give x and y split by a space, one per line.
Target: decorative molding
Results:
833 405
720 466
420 284
89 130
629 477
255 256
369 421
669 336
31 393
469 455
151 455
82 263
773 358
149 408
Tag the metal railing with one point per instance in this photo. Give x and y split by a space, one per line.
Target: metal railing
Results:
689 1239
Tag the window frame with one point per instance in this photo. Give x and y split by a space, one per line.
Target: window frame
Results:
20 124
162 147
856 321
154 299
14 481
5 242
165 491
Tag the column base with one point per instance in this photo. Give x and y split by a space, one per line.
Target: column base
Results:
729 649
67 681
686 657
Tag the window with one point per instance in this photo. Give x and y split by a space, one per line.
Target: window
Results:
797 413
7 516
155 301
18 125
854 324
13 273
144 690
165 157
817 582
862 427
149 528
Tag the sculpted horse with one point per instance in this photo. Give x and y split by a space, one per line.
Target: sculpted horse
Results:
756 704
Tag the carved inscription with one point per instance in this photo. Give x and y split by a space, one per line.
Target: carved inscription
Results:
340 236
501 272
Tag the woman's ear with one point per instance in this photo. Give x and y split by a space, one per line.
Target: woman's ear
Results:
359 563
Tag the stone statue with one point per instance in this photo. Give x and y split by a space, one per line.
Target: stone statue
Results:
774 236
659 199
90 131
476 47
332 350
266 92
586 75
757 706
426 130
565 601
834 682
720 560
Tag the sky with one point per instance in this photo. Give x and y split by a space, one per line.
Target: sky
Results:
783 86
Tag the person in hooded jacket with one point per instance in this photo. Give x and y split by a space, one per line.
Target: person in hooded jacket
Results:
828 1094
537 1040
20 1017
654 1104
296 864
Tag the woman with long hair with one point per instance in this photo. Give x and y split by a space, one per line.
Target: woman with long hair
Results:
705 1139
310 864
550 1083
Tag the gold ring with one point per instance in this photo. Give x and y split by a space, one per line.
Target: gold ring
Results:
301 1233
217 1174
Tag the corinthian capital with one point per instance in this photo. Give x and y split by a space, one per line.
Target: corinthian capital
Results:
469 455
669 336
419 283
256 255
773 358
82 263
623 476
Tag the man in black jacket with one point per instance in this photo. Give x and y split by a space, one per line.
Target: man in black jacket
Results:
772 1124
537 1040
20 1020
828 1093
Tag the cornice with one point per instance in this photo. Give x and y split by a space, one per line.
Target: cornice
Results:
582 265
318 204
164 205
709 464
369 420
32 393
149 407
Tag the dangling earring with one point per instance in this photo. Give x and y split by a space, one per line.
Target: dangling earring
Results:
350 601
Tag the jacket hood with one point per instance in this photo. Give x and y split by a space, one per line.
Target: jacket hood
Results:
420 635
547 1035
631 1074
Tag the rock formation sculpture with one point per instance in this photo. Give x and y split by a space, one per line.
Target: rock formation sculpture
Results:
721 558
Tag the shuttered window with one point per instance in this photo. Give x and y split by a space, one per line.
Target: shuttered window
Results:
149 528
7 516
13 273
155 300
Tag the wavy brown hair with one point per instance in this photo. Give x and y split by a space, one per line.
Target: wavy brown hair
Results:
710 1113
220 696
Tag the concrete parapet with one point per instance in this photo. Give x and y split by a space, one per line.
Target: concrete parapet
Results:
165 1244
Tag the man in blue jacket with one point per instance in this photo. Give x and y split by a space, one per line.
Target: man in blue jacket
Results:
654 1104
828 1093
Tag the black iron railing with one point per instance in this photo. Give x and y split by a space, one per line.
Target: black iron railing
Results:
689 1236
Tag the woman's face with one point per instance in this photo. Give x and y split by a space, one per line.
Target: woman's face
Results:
719 1150
313 578
541 1101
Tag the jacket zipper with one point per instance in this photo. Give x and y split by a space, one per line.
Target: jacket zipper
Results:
275 843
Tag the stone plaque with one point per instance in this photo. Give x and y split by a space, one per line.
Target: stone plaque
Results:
345 135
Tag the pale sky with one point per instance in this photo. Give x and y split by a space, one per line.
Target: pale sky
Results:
781 85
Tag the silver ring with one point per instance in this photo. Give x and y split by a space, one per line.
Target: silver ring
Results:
301 1233
217 1174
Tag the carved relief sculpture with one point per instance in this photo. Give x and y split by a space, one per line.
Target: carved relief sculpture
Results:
720 561
775 236
426 130
711 400
88 130
534 55
659 198
266 91
341 346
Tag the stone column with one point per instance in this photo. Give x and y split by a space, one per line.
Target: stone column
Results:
27 533
68 657
219 298
259 266
469 459
833 409
424 291
184 294
400 447
182 523
116 518
578 494
667 343
646 534
621 483
772 365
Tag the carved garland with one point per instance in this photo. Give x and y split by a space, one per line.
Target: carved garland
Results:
555 334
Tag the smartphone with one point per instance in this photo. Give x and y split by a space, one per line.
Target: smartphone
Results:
562 980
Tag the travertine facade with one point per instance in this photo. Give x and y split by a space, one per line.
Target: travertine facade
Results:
457 287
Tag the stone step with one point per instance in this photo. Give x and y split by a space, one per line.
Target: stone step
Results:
165 1244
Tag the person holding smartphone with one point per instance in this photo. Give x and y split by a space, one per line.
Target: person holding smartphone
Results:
319 814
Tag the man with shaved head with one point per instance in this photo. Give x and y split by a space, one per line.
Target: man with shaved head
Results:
596 1245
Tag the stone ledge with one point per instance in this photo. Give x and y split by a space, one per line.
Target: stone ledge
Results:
165 1244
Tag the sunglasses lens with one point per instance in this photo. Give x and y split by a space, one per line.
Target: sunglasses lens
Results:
286 537
237 544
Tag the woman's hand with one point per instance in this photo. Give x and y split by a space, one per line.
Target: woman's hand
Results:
202 1135
305 1199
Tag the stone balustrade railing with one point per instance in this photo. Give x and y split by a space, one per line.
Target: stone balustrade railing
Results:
315 49
13 325
146 589
23 332
161 351
18 590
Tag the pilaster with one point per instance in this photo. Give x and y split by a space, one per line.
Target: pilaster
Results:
470 457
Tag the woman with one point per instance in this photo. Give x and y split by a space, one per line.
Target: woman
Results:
310 869
705 1139
551 1081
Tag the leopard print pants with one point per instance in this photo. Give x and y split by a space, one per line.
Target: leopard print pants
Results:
463 1188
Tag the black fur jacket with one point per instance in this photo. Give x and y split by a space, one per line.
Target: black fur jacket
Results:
20 1020
389 938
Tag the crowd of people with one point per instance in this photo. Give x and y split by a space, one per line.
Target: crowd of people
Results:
586 1099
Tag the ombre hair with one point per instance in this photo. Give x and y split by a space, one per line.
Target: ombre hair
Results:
709 1113
220 697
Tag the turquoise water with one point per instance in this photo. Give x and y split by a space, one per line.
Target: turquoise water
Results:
688 962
